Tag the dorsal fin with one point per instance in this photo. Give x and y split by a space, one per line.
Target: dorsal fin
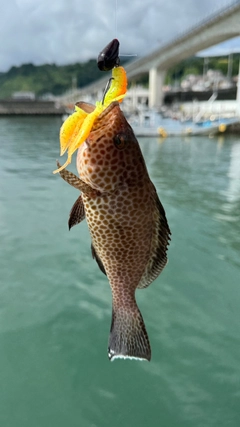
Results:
160 241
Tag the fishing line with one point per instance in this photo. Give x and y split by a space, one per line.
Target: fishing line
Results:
116 10
116 30
128 54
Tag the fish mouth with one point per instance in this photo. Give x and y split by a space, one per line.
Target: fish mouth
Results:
109 108
105 113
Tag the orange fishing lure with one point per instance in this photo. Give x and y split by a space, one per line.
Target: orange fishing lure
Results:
77 127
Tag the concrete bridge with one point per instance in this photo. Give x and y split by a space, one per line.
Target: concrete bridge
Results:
223 25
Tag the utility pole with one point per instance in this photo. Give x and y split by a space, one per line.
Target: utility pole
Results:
230 66
205 66
238 92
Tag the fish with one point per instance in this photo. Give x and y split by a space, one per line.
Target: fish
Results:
129 230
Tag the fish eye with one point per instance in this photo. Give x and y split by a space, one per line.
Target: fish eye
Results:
120 141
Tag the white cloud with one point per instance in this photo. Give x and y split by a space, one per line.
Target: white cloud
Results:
66 31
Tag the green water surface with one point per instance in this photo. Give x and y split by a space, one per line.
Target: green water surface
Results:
55 304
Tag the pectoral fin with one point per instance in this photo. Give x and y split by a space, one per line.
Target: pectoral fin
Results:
76 182
77 213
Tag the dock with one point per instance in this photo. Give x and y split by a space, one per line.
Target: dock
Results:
20 107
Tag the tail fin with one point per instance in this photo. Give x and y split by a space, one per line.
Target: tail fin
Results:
128 336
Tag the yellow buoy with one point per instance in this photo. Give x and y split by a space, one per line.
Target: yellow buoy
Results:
222 127
162 132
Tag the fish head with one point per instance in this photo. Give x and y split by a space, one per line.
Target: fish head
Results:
111 157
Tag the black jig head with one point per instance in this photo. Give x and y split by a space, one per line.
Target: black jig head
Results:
108 58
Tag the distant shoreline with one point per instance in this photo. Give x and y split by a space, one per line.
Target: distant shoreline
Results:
21 107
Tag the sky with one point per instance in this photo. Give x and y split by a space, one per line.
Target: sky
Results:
68 31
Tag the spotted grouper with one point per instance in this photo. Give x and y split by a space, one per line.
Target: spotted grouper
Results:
126 220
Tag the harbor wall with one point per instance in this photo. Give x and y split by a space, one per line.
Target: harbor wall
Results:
30 107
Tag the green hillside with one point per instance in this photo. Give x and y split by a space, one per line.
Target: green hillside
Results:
48 78
55 79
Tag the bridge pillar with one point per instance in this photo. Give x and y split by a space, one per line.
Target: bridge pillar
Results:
156 81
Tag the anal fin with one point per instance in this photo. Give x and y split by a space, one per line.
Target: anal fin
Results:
97 258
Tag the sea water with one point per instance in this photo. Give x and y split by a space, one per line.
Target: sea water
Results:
55 304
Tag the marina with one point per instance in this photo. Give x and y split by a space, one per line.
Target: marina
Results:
152 124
